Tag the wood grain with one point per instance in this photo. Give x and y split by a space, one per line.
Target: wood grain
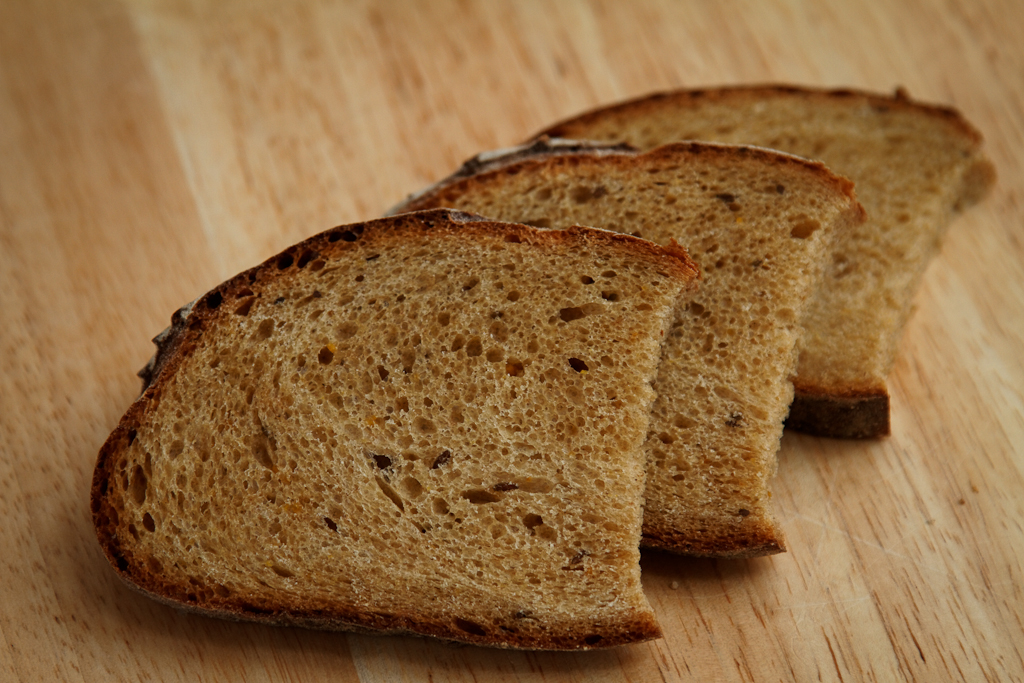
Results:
149 150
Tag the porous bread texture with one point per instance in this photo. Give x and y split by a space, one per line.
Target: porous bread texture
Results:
429 424
760 225
915 166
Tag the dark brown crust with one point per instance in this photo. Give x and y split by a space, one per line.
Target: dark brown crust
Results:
847 415
188 326
377 623
683 98
718 541
543 151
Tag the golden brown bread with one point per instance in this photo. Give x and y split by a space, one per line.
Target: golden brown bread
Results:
760 224
428 424
914 165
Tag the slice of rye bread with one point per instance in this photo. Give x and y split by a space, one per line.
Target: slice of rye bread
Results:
915 166
760 224
428 424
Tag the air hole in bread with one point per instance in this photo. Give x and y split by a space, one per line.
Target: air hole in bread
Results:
593 639
383 372
475 347
138 485
495 355
408 358
514 368
443 459
285 261
348 330
213 300
480 496
499 330
307 256
282 571
444 318
265 330
382 461
513 295
804 227
683 422
412 487
470 284
148 523
330 524
245 306
390 493
610 296
470 627
578 365
587 280
535 485
609 273
424 426
261 450
514 239
326 354
577 312
532 521
582 195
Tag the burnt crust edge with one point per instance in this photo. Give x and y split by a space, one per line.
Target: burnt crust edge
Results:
840 415
719 542
501 158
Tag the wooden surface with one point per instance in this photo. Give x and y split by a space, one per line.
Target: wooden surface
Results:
149 150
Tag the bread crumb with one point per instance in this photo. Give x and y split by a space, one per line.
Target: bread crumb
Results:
674 585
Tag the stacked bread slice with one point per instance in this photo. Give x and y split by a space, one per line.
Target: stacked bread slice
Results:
915 166
449 425
429 424
761 225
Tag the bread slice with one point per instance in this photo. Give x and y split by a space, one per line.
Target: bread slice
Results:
915 166
427 424
760 224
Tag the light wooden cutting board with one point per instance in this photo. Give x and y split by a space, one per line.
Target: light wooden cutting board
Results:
149 150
